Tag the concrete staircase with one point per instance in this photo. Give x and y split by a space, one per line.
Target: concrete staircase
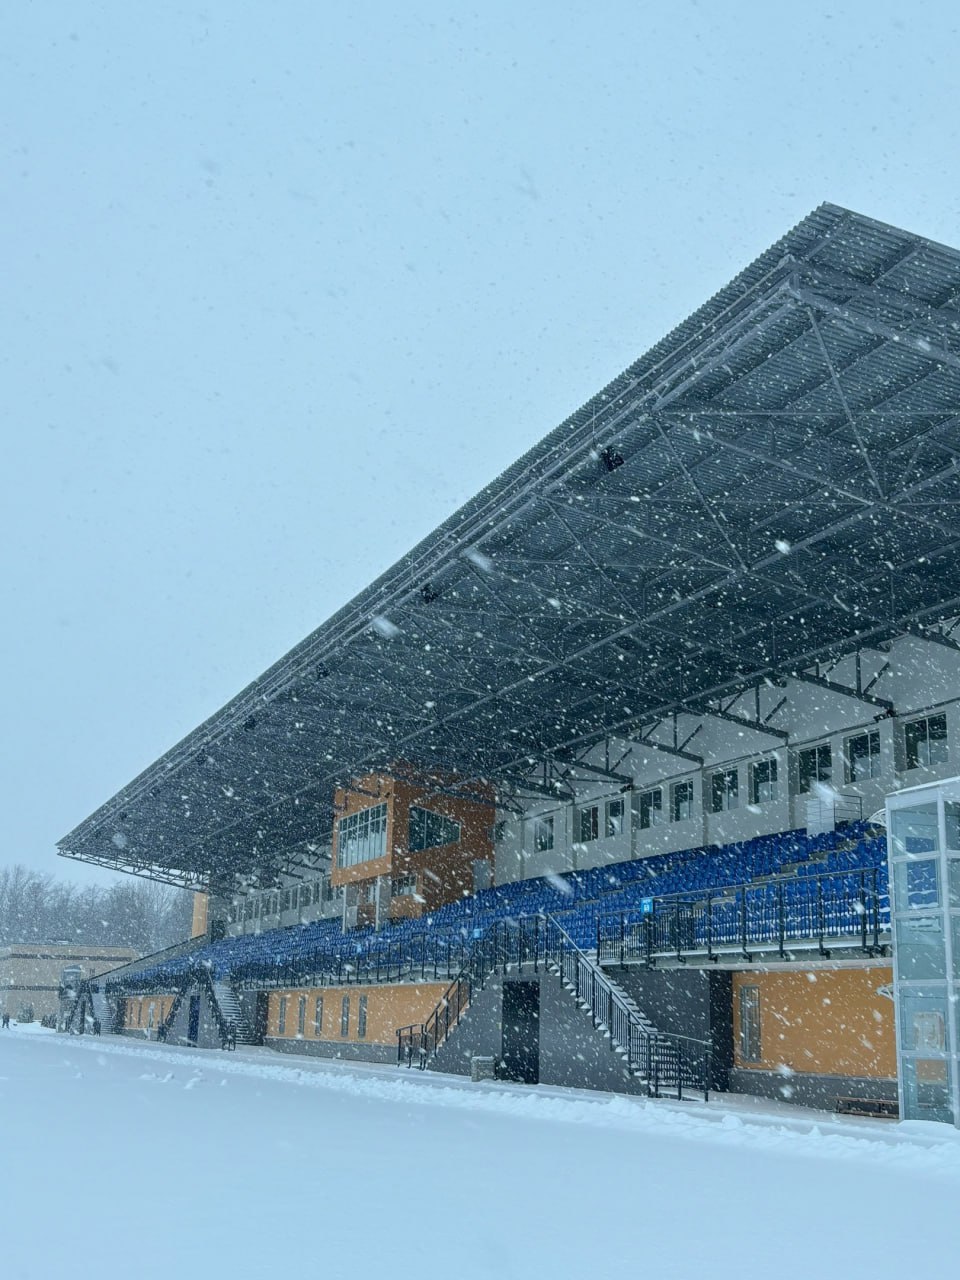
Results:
232 1012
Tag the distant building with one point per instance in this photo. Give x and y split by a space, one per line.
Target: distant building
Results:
31 974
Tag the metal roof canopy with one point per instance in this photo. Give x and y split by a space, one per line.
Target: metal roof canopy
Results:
775 482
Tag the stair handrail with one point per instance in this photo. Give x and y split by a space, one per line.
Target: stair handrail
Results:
657 1055
485 956
647 1050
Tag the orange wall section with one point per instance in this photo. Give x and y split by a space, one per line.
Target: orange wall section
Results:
821 1022
201 909
388 1007
443 874
136 1013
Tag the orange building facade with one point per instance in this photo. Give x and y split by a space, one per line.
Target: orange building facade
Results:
405 845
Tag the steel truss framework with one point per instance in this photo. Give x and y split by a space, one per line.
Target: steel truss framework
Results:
776 483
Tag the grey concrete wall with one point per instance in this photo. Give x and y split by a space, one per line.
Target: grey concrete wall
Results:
918 677
687 1002
804 1090
572 1052
209 1033
345 1052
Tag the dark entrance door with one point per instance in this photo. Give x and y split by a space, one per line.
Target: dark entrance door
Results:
520 1033
193 1023
260 1017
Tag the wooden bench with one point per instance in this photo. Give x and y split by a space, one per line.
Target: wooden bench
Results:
878 1108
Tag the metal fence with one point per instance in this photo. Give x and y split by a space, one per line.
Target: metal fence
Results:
841 908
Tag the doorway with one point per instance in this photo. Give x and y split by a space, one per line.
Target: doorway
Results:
520 1032
193 1022
260 1017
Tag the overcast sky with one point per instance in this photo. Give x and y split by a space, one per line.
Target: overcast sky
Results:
284 283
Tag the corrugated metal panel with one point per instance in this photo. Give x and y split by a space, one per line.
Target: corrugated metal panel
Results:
715 489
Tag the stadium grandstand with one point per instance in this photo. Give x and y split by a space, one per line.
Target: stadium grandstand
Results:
591 785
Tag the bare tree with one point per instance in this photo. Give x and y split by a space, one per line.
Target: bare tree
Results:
36 907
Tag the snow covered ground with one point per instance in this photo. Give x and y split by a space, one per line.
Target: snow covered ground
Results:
121 1158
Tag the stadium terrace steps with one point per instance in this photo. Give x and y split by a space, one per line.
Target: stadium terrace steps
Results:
579 899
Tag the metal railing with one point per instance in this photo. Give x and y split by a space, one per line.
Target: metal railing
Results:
663 1060
846 908
422 957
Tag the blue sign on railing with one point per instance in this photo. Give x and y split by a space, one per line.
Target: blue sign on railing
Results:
646 906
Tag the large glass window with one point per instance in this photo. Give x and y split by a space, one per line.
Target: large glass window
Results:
814 764
282 1017
318 1017
429 830
917 885
763 782
651 808
345 1016
749 1024
926 742
362 1018
542 834
362 837
588 824
681 801
725 790
301 1015
861 757
614 818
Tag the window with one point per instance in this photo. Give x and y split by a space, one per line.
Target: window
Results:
429 830
151 1014
282 1016
750 1024
345 1016
286 902
763 782
542 834
926 742
917 885
248 911
362 837
362 1018
588 824
724 790
861 757
301 1015
681 801
318 1017
814 764
404 886
614 818
651 808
